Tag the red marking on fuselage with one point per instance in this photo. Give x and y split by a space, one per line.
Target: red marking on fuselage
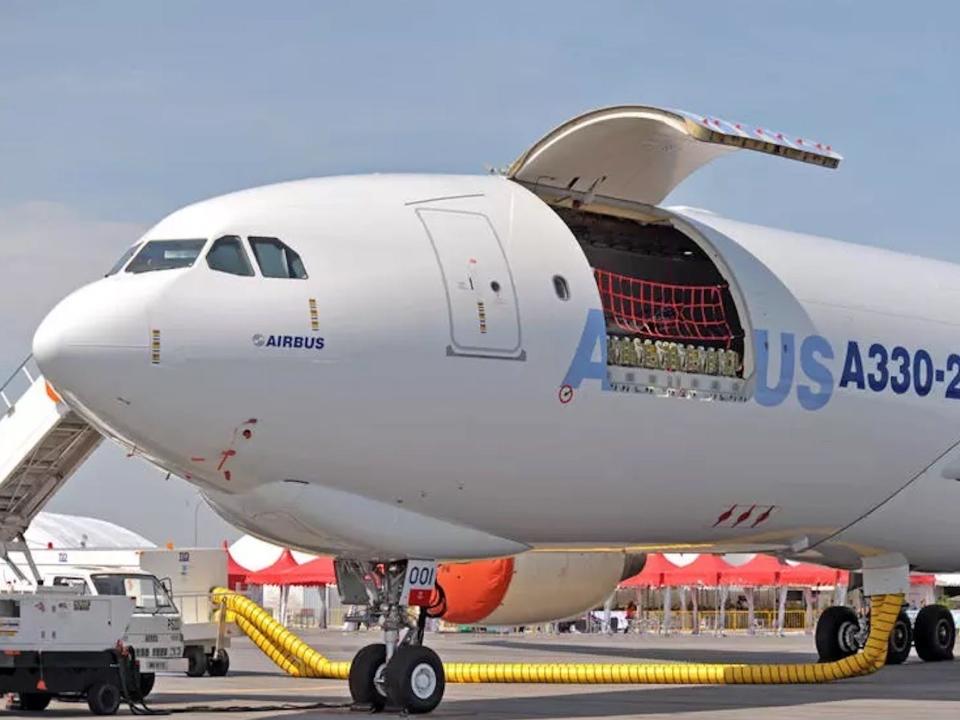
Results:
224 456
198 459
744 515
724 516
763 516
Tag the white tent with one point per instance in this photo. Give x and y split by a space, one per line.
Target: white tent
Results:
255 554
69 532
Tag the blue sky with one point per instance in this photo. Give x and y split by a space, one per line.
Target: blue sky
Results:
113 114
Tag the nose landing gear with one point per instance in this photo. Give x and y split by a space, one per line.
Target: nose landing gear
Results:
401 672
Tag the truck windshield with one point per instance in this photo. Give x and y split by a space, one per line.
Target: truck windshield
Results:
148 593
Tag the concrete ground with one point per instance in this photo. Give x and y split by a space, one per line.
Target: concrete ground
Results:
915 689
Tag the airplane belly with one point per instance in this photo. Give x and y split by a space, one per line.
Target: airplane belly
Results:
605 468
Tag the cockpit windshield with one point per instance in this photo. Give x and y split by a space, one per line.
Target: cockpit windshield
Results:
118 265
166 255
148 592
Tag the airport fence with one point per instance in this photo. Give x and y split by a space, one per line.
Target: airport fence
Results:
647 621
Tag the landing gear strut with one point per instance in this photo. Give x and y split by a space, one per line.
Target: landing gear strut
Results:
400 672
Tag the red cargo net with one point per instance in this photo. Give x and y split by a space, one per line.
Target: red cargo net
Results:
664 311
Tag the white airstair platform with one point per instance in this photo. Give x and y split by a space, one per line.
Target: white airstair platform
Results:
42 442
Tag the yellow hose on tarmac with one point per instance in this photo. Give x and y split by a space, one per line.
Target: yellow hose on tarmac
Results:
267 647
292 654
282 646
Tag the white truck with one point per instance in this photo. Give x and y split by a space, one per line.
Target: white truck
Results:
190 574
155 626
172 588
58 642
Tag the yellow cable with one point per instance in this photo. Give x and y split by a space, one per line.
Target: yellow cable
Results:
268 648
298 658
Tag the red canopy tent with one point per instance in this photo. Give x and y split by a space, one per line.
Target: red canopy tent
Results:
760 571
714 571
653 574
316 572
706 570
236 573
273 575
810 575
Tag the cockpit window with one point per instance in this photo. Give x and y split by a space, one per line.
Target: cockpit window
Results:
127 254
227 255
276 260
166 255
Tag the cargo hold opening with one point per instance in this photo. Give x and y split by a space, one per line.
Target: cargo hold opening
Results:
667 306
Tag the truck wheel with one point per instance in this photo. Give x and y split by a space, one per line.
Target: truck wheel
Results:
218 665
196 661
146 683
103 698
34 702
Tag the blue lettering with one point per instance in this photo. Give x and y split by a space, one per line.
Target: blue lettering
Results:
922 372
773 396
815 370
853 367
272 341
298 342
287 341
878 381
901 383
584 367
318 344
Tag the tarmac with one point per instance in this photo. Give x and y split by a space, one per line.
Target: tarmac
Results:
915 689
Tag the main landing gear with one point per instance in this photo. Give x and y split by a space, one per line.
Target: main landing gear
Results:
841 633
400 672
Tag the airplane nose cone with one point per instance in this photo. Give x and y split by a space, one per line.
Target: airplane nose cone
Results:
81 341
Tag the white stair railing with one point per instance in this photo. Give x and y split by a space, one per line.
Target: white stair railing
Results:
18 383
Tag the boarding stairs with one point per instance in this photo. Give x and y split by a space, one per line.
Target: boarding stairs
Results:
42 442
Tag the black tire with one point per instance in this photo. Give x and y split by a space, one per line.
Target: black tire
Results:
836 633
366 664
218 665
934 633
34 702
147 681
901 640
103 698
196 662
415 679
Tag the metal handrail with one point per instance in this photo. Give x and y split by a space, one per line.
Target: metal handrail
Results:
22 369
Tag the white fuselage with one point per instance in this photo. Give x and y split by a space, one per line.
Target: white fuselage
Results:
416 429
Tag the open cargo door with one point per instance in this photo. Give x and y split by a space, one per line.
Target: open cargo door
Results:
640 154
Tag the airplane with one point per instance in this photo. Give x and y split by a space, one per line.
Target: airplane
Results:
400 369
